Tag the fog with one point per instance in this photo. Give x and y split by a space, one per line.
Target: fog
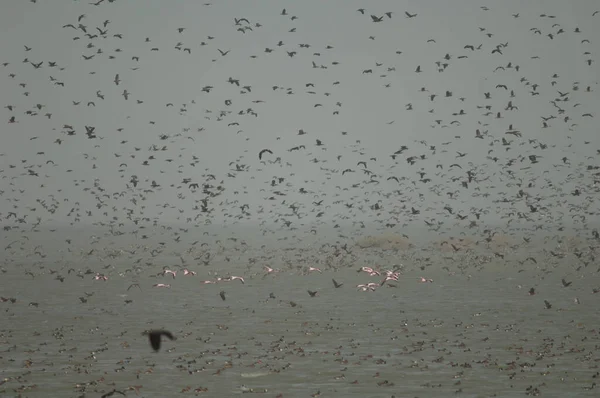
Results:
287 143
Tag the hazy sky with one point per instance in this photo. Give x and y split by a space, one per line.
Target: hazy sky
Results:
350 83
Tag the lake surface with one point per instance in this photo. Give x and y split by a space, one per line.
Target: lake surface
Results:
475 331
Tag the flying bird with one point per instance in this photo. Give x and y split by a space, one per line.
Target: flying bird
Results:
260 154
155 336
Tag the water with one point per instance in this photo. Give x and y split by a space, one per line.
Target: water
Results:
474 332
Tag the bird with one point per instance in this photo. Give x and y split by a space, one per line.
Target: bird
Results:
134 285
260 154
155 337
505 171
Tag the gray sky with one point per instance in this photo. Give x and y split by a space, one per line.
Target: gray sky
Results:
360 85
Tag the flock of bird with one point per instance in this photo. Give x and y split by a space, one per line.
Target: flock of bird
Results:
89 143
318 177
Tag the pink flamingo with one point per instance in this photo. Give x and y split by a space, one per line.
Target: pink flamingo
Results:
162 285
369 286
392 274
100 277
311 269
233 277
269 269
188 272
369 271
230 278
424 280
168 271
388 278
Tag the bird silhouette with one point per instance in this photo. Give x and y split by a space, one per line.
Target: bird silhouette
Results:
155 337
